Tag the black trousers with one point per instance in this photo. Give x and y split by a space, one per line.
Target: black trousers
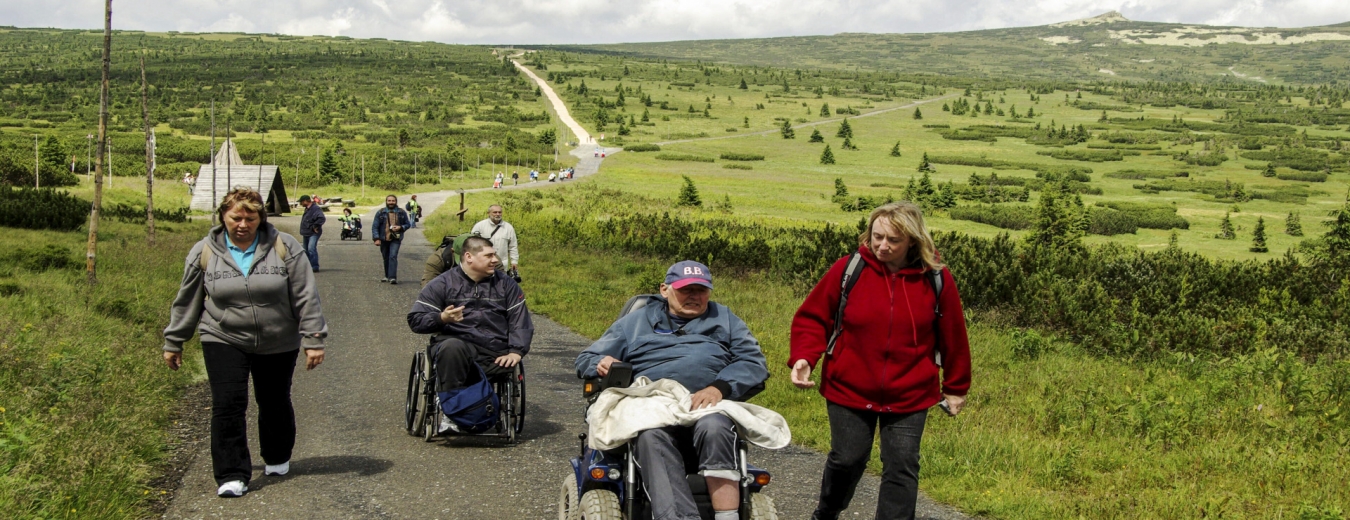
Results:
851 436
454 363
228 369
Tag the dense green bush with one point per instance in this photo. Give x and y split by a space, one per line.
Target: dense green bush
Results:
1149 216
733 156
642 147
683 157
1005 217
1302 176
1071 154
136 214
1139 175
41 209
1108 222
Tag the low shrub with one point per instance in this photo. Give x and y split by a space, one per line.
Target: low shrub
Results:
1139 175
1109 222
734 166
642 147
683 157
136 214
733 156
32 208
1302 176
1002 216
1086 155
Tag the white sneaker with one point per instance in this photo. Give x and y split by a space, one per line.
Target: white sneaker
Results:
232 489
277 469
448 425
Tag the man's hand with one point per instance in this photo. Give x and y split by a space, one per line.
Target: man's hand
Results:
955 403
801 374
704 398
452 314
173 359
508 360
377 242
602 367
313 358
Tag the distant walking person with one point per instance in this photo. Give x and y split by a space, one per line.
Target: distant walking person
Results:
502 235
246 291
896 347
387 230
311 228
414 210
515 178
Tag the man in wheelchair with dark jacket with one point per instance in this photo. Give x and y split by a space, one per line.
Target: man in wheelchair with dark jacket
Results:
478 316
709 351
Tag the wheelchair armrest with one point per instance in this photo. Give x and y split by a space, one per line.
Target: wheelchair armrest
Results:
620 375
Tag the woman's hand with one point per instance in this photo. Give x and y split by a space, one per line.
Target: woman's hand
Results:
173 359
313 358
801 374
955 403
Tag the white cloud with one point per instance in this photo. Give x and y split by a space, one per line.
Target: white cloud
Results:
608 21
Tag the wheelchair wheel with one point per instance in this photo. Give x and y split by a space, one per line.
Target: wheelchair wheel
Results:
569 505
517 418
761 507
430 411
600 504
412 407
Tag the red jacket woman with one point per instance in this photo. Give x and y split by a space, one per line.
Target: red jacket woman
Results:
883 369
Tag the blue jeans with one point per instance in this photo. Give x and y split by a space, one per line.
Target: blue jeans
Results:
851 437
312 250
389 250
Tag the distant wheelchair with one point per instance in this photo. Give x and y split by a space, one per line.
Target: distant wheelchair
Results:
606 485
422 417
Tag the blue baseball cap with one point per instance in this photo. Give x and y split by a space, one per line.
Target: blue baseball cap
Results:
688 272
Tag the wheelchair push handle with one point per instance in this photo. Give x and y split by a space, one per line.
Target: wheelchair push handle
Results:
620 375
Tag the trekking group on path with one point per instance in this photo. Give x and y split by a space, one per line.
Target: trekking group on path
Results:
883 329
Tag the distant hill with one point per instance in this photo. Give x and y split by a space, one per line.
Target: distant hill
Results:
1108 46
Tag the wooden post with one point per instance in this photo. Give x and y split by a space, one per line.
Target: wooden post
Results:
90 266
149 159
461 206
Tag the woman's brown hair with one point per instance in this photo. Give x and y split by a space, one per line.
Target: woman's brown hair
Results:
908 218
245 198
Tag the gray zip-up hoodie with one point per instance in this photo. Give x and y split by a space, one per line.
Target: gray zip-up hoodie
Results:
274 309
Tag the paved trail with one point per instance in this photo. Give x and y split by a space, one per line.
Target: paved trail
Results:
353 460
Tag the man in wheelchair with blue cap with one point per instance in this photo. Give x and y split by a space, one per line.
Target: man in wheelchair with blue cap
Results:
700 344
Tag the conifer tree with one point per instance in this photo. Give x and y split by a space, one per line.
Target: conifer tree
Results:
743 85
1031 112
328 167
787 131
848 145
845 130
895 150
1292 225
946 108
1270 170
1104 118
1226 228
840 190
925 189
816 137
827 156
918 114
946 196
825 110
1259 236
924 165
689 194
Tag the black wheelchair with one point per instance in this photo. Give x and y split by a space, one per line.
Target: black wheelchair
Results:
606 485
422 416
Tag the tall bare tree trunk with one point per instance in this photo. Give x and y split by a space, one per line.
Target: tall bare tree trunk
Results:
149 159
89 267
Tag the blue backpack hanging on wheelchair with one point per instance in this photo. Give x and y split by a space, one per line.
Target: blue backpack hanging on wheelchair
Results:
474 409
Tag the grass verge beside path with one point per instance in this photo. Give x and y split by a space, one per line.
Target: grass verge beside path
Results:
85 399
1051 431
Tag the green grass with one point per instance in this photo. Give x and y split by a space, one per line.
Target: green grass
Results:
1050 431
84 395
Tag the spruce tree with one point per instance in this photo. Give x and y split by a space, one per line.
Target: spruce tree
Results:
845 130
1104 118
840 190
946 108
816 137
746 124
825 110
328 167
848 144
946 196
1226 229
743 85
1270 170
1031 112
787 131
646 116
827 156
689 194
1259 236
895 150
1292 226
918 114
924 165
925 189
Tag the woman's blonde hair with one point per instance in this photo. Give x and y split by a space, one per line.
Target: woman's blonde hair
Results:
908 218
245 198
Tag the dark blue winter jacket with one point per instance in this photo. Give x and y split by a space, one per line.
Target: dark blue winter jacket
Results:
715 349
311 223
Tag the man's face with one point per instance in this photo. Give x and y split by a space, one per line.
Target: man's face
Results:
391 201
483 262
688 302
495 213
306 203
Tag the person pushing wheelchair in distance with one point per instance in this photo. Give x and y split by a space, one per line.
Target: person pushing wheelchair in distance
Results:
481 324
705 348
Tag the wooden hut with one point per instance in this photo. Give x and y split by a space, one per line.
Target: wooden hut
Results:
231 171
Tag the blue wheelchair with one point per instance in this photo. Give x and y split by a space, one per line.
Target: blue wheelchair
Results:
422 417
606 485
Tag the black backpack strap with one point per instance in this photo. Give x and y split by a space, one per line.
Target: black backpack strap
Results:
935 279
846 283
494 231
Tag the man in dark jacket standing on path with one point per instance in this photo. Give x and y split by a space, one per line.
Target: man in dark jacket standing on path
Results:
478 315
311 227
387 230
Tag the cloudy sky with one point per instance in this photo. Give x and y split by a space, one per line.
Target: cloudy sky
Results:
611 21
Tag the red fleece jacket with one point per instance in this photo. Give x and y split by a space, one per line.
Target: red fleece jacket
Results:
883 360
